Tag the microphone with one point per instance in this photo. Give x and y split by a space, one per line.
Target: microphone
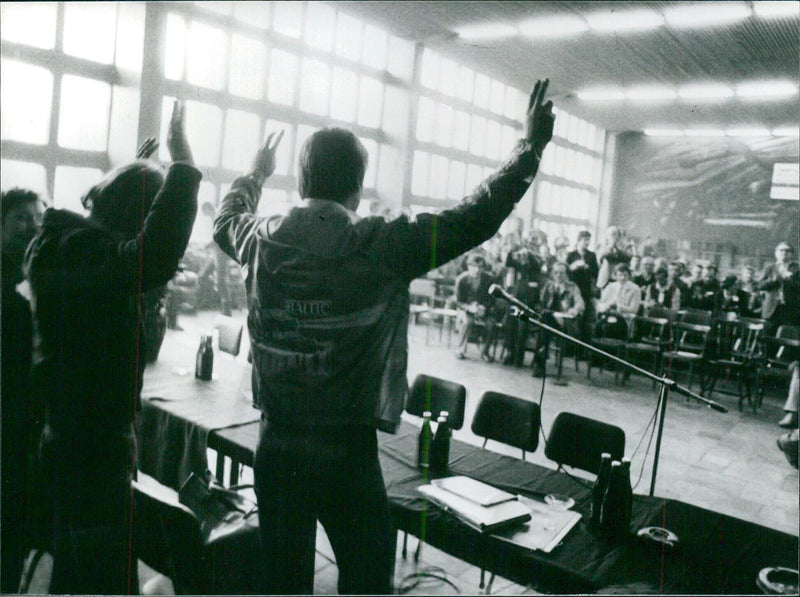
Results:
497 291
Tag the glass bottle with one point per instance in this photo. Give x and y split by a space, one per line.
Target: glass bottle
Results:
599 488
627 491
611 521
424 445
440 447
204 364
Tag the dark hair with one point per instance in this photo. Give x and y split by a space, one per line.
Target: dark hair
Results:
622 267
121 201
13 198
332 165
584 234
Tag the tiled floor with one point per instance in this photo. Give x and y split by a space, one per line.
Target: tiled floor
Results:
724 462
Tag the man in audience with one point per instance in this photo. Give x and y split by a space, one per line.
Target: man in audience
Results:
21 417
646 275
611 254
475 305
675 272
560 296
621 295
730 299
663 292
780 288
328 297
526 266
750 290
583 271
703 292
87 276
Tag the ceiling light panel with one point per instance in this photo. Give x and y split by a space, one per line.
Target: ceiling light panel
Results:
622 21
553 26
705 91
761 89
704 132
787 131
748 132
663 132
704 14
486 31
766 9
650 93
602 94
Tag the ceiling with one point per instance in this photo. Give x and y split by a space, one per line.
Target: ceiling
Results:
749 50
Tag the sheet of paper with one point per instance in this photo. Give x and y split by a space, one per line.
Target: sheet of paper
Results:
546 528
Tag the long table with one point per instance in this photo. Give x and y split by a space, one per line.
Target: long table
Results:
717 554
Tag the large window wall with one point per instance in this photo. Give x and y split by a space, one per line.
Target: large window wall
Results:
79 89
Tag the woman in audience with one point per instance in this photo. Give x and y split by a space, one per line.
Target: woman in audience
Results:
621 295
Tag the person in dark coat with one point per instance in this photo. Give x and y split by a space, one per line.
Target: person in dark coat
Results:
87 277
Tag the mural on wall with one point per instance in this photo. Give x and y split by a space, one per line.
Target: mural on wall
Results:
705 189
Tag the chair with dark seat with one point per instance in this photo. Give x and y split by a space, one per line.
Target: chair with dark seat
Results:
779 352
230 334
507 419
578 442
610 335
168 538
736 351
434 394
422 292
649 337
691 335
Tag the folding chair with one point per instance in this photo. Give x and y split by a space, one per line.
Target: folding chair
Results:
578 442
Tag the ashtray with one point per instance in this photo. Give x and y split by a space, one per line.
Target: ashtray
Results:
663 537
778 581
558 501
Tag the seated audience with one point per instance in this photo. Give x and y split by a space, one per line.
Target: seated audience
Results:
675 272
730 298
646 274
525 271
750 290
662 292
559 296
780 286
583 271
621 295
87 276
475 305
703 292
22 417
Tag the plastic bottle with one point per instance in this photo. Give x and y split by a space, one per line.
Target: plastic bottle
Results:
424 445
612 522
204 364
440 447
599 488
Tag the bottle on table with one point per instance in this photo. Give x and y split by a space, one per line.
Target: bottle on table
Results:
627 491
600 487
204 364
615 516
440 447
424 445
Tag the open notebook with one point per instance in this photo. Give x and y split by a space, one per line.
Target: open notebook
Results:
499 515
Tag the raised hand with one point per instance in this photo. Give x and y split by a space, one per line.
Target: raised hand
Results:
147 148
177 144
264 162
539 119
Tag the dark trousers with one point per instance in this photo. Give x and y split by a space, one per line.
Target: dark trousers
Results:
332 474
93 549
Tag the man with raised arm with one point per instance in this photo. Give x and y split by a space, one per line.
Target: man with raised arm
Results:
87 276
328 315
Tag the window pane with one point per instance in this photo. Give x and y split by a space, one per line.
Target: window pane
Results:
205 65
204 225
482 90
84 114
283 155
429 75
590 135
455 182
274 202
314 87
558 161
242 137
256 14
30 23
426 117
461 130
447 79
487 172
26 175
320 26
389 168
344 94
203 129
582 127
175 45
494 133
90 30
510 136
400 62
465 80
289 18
439 170
26 93
247 67
497 96
419 174
477 135
569 164
562 120
474 177
395 111
370 101
370 176
130 35
282 73
572 131
303 133
348 36
511 106
546 166
444 124
223 8
375 44
71 184
123 124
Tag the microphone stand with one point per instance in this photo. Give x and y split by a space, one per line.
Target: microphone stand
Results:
525 313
